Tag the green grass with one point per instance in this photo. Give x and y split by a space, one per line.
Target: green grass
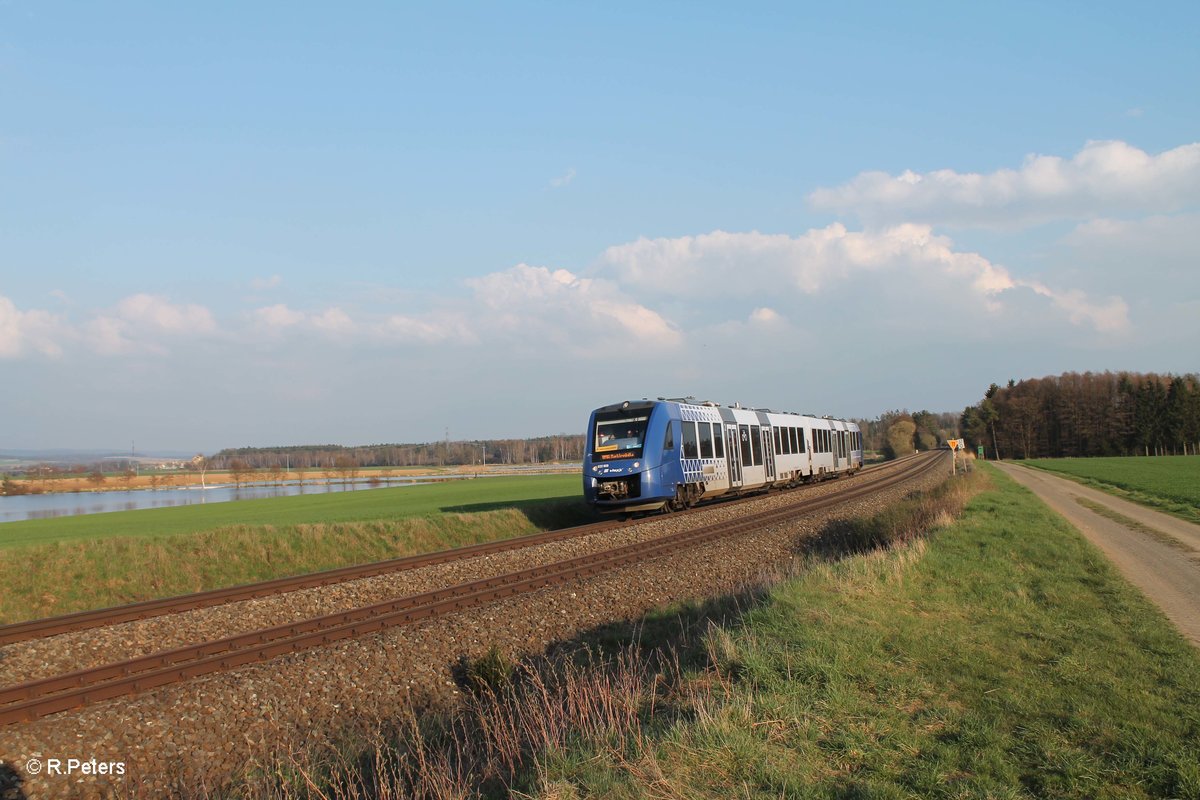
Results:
1168 483
57 566
1002 657
316 508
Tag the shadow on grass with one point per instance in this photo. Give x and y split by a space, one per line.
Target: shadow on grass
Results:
548 513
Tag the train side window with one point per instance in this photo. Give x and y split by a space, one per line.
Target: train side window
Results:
792 440
756 445
744 438
718 440
775 441
690 446
706 442
785 439
669 438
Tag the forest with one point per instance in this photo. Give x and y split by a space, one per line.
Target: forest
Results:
1088 414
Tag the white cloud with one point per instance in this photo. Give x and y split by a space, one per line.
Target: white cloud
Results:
158 314
564 179
535 305
1104 178
435 328
276 320
277 317
333 321
765 316
22 332
259 284
142 323
727 265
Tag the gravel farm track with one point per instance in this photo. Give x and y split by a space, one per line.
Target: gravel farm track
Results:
291 660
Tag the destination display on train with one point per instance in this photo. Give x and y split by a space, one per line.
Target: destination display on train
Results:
614 456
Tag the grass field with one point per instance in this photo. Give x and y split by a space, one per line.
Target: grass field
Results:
60 565
1168 483
1004 657
1001 656
316 508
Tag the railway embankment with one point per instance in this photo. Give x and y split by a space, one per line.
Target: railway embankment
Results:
179 735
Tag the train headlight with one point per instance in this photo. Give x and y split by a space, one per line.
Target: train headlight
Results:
637 464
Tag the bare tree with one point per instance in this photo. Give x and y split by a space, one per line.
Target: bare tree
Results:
200 463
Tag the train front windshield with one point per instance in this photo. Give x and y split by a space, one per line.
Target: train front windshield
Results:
617 436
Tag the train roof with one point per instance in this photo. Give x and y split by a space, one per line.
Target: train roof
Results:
645 404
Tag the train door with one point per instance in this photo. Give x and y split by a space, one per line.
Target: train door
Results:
768 452
839 450
733 452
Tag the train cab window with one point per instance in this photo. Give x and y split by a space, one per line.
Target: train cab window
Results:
718 440
620 433
756 445
706 442
744 439
691 448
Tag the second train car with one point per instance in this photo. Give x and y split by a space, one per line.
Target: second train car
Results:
668 454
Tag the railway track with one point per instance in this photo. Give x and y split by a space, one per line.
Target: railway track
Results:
83 620
39 698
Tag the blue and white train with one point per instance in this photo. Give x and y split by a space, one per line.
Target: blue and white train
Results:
647 455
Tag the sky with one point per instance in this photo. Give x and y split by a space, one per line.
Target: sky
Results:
231 224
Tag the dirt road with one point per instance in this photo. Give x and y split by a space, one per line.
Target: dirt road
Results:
1156 552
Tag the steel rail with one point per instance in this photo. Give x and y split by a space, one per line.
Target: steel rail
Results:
145 609
39 698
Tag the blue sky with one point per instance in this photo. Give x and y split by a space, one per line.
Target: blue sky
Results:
292 223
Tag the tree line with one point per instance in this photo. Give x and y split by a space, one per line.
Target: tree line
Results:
1089 414
900 432
539 450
